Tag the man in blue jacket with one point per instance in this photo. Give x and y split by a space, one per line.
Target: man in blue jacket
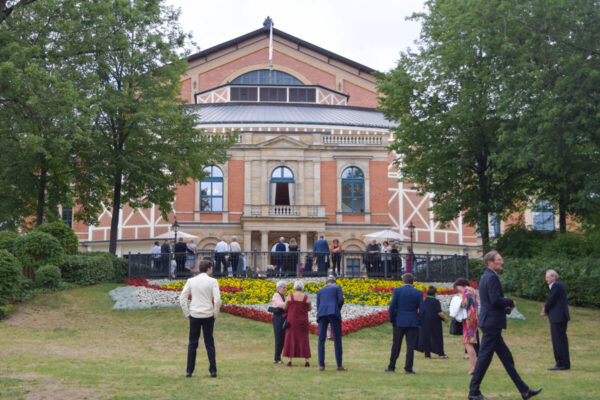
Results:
492 319
321 251
330 300
406 313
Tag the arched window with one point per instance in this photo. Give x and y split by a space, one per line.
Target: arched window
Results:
266 77
543 216
282 187
211 190
353 191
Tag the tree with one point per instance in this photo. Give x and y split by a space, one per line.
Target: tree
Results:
555 102
445 100
145 139
41 109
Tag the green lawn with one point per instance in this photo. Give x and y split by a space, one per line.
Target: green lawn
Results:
71 345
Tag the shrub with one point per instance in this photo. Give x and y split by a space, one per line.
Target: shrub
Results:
525 278
63 233
5 309
570 245
476 268
7 240
120 266
47 276
38 248
10 277
88 269
519 242
592 243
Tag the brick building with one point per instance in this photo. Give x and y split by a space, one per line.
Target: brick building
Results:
311 157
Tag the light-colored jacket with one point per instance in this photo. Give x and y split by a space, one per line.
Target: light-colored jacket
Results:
206 297
456 311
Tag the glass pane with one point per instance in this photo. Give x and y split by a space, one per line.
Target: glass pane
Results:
205 204
346 189
217 189
359 205
217 173
287 173
359 189
205 189
208 170
347 205
217 204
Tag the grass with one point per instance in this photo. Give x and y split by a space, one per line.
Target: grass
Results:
71 345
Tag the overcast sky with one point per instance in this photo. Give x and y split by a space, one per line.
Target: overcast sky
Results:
369 32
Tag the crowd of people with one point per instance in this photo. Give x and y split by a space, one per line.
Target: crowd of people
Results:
417 320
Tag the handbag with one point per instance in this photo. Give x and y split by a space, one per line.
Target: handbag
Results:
456 328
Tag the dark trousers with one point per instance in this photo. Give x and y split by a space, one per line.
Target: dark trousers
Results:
335 261
560 344
279 335
336 327
234 260
280 257
492 342
322 262
180 259
206 324
412 334
220 260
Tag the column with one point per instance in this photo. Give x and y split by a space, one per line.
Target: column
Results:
247 241
264 241
303 242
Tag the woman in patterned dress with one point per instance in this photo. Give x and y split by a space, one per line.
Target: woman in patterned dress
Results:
470 302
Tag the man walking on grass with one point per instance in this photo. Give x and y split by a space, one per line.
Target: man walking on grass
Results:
492 320
202 312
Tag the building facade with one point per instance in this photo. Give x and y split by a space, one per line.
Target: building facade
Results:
311 157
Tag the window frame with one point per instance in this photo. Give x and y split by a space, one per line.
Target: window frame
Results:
211 179
354 198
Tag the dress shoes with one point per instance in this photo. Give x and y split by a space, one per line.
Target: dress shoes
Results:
321 368
388 369
188 374
213 374
530 393
478 397
307 364
409 372
558 368
342 369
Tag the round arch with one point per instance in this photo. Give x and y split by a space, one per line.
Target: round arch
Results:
255 67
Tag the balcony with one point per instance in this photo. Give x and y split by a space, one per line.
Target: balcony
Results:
273 211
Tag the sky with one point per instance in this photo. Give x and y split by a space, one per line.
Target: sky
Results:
372 33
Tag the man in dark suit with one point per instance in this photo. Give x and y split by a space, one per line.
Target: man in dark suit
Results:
321 251
180 250
165 251
492 319
330 300
406 313
557 310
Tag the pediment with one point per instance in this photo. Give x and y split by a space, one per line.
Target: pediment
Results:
283 142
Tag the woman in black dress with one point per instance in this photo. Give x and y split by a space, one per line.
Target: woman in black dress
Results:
430 335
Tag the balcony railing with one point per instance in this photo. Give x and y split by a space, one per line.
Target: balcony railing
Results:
279 211
352 140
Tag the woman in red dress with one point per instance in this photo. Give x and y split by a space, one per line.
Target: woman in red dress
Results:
297 305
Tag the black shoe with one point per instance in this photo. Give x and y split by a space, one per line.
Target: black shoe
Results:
213 374
409 371
530 393
388 369
188 374
478 397
557 368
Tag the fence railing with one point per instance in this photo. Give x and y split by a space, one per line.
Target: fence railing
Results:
267 210
350 264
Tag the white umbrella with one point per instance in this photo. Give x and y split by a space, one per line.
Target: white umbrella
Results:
387 234
180 234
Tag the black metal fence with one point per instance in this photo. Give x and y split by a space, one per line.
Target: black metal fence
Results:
426 267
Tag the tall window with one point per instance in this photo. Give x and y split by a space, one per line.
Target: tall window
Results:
266 77
211 190
282 187
494 225
353 191
543 216
67 216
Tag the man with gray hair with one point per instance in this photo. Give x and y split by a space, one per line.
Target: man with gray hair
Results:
557 311
221 253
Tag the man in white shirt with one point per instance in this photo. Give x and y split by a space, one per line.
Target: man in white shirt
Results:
221 253
202 312
234 257
156 255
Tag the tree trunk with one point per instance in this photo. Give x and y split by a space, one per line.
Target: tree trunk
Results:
483 212
41 200
562 213
116 211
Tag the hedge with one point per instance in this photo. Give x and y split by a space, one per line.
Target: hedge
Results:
10 277
63 233
38 248
47 276
526 278
7 240
84 269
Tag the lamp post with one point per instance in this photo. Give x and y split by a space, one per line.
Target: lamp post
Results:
411 228
175 227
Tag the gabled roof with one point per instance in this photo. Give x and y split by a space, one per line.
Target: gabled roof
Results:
277 113
285 36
